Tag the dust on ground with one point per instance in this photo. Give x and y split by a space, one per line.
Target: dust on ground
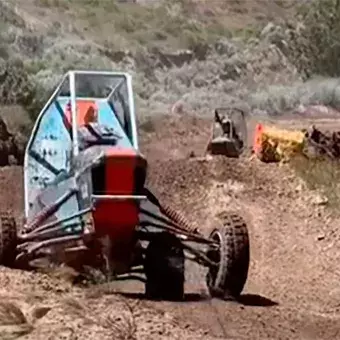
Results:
292 291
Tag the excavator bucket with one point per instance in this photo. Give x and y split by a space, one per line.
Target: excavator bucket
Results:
273 144
229 133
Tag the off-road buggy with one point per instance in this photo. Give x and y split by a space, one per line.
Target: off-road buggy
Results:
86 202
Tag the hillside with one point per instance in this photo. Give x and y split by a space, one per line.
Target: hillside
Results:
177 51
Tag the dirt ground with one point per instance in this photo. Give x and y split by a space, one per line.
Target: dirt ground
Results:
292 290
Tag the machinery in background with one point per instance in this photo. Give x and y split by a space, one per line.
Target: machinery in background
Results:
229 132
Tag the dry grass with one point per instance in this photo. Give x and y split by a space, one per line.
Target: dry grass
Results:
281 98
170 23
13 322
121 326
86 34
321 175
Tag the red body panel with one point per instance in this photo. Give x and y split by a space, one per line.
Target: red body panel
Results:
119 218
86 112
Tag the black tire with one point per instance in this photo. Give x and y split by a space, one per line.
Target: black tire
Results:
227 280
164 268
8 239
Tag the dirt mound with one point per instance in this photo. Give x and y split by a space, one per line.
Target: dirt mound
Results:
12 188
291 240
292 291
174 136
39 306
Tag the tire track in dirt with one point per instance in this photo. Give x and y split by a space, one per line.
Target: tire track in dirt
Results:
289 266
292 291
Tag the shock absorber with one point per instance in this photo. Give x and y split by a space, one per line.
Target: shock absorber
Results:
172 214
178 218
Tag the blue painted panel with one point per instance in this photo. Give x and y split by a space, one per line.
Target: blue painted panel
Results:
70 207
107 117
53 143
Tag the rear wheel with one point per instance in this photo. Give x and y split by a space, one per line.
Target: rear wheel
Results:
164 268
8 239
228 278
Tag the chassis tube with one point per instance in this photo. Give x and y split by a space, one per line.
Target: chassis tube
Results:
51 225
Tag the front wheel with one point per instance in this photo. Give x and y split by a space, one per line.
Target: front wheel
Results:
164 268
228 278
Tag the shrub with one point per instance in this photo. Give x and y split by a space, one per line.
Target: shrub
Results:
314 44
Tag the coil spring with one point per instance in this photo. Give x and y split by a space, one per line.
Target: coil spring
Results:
176 217
29 227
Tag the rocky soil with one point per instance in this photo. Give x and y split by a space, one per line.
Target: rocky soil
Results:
292 291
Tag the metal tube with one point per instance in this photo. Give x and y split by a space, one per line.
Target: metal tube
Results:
45 243
128 276
49 210
170 225
191 238
42 234
75 146
119 197
132 111
54 223
205 260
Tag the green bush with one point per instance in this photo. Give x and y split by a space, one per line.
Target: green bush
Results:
314 44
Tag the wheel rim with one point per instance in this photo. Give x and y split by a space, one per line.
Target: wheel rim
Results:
214 255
